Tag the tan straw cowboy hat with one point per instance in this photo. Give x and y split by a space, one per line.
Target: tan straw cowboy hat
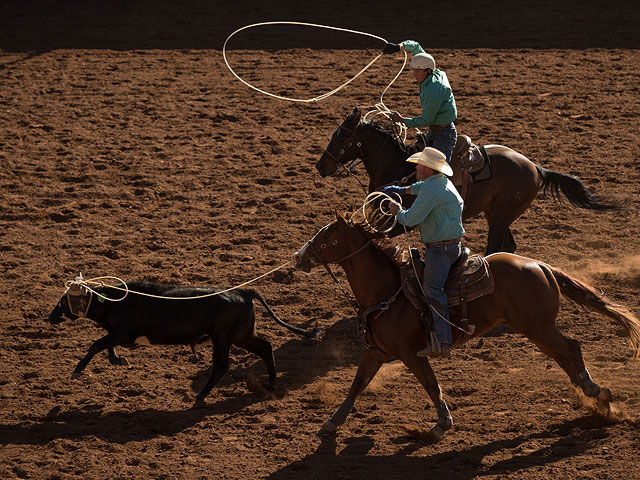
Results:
432 158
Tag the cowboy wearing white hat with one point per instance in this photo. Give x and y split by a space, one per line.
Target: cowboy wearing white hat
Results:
438 212
432 158
438 105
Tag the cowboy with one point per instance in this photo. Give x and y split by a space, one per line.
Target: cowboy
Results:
438 211
438 105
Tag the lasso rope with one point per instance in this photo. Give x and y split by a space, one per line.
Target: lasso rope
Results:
382 110
97 281
372 197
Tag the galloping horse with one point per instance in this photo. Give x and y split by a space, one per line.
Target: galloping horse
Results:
526 297
503 198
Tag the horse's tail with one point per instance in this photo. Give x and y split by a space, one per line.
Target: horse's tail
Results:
311 333
573 189
586 295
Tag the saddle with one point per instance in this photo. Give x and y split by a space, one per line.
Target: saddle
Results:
470 163
469 279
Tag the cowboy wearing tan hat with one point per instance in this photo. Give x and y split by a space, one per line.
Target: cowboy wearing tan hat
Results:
438 212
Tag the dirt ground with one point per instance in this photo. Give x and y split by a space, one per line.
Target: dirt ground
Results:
128 149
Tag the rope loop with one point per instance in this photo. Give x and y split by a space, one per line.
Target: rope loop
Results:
324 95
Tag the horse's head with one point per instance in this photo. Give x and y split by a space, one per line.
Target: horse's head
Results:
74 303
344 147
333 243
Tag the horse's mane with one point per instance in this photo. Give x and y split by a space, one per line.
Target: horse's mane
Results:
405 150
393 252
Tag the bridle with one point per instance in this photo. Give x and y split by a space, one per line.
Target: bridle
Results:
314 258
361 312
315 250
348 169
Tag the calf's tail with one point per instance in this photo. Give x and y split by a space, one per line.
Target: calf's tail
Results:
586 295
313 333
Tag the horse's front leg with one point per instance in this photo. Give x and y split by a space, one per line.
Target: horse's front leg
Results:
369 364
421 368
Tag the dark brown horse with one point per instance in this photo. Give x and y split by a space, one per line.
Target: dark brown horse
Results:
503 198
526 297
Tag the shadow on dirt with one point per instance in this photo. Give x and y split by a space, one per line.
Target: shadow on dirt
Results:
563 440
298 363
116 427
123 427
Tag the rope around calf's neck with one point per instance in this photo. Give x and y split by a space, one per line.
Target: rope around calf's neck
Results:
95 282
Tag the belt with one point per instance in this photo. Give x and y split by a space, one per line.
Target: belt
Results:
439 127
442 242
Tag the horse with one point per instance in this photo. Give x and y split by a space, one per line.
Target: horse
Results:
526 297
514 183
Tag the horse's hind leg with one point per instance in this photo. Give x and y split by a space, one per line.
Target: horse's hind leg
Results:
498 236
421 368
509 243
369 364
568 354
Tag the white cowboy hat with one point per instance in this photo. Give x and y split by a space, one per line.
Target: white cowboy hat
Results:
432 158
422 61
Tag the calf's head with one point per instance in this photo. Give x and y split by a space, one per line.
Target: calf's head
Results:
74 303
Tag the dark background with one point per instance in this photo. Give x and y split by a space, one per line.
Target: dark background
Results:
37 26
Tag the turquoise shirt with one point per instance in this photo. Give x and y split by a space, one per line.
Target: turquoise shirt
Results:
436 97
438 210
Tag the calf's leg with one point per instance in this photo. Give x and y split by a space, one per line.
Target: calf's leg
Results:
264 350
107 342
218 369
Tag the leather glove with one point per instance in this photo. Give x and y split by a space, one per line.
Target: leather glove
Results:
393 189
391 48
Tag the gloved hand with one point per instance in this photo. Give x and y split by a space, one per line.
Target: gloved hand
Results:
393 189
391 48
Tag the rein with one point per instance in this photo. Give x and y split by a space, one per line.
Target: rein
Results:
347 169
314 257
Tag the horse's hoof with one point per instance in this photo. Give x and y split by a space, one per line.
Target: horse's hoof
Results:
604 395
199 403
124 361
437 433
76 375
603 402
328 428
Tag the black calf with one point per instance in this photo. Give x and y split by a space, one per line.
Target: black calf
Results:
226 319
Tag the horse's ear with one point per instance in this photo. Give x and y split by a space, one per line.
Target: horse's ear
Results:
355 115
339 216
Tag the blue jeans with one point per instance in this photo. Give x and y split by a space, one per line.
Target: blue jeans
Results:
437 262
444 140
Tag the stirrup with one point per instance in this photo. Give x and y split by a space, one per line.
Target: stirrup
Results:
434 348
